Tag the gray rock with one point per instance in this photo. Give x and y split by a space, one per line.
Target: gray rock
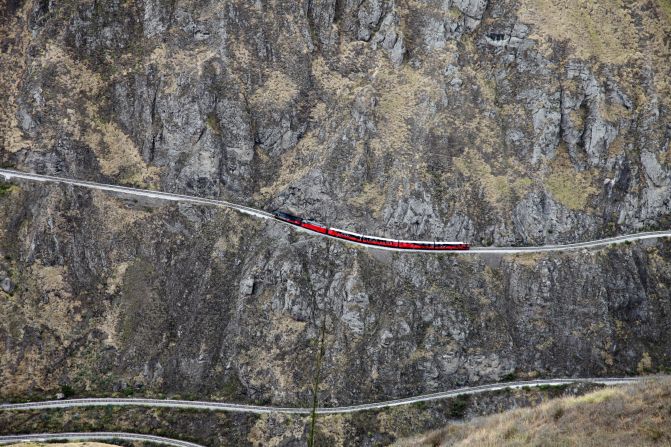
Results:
369 15
597 138
546 121
417 152
156 17
354 307
657 175
539 218
7 285
247 286
26 121
390 38
472 8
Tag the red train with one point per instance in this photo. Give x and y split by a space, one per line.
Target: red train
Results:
368 240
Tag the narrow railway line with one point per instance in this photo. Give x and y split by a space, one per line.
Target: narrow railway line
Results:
9 174
257 409
95 436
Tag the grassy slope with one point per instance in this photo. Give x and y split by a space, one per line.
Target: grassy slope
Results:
636 415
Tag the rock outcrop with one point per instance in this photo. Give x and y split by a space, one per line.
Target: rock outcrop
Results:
467 120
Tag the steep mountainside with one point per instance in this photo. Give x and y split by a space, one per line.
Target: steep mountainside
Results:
494 122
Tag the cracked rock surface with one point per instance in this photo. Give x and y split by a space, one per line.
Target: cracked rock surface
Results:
501 123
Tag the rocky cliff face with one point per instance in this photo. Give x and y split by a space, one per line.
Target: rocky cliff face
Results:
491 122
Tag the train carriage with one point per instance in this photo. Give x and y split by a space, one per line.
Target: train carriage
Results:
451 246
416 245
314 226
347 235
380 241
369 240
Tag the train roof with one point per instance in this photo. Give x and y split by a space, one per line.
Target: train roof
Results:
396 240
364 235
432 242
347 232
314 222
379 238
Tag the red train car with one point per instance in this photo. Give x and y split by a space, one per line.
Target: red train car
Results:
451 246
342 234
416 245
314 226
362 238
369 240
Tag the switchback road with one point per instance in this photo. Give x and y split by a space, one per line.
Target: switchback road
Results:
94 436
240 408
9 174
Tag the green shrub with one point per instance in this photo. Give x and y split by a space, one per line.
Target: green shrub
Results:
67 391
421 405
458 406
510 377
128 391
5 188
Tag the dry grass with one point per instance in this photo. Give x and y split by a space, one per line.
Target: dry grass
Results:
500 191
632 34
665 6
393 420
635 415
569 187
182 64
53 310
372 198
84 86
601 29
119 156
404 95
277 92
331 82
263 365
335 426
527 259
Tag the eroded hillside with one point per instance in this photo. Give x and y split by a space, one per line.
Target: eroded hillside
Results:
490 122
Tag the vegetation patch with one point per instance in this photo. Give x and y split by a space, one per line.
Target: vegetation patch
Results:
405 96
459 405
5 188
277 92
635 415
567 186
601 29
665 6
119 156
500 191
371 198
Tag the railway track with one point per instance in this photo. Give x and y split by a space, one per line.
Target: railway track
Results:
10 174
95 436
257 409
